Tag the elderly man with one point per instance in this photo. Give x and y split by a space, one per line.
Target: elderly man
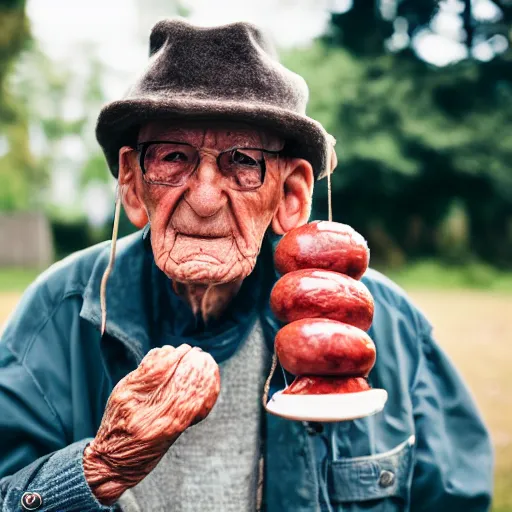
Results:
215 158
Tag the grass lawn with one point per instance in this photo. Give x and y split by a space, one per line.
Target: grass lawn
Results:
470 309
16 279
475 330
433 275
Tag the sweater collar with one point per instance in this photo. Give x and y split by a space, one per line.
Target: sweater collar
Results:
132 291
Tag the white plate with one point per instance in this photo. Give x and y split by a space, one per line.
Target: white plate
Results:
334 407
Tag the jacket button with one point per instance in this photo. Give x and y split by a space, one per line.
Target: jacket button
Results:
386 478
31 501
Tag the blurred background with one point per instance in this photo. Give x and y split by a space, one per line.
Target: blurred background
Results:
417 93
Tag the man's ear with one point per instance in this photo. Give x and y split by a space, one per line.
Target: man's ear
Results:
130 189
295 205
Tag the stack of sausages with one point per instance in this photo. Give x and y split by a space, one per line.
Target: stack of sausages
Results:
326 307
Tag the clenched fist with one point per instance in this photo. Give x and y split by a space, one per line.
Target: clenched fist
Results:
172 389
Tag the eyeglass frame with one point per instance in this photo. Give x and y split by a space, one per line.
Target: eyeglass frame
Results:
142 148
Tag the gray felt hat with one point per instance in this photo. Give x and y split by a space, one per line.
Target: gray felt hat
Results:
229 72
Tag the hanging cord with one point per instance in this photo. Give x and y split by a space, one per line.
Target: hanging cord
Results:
269 378
329 198
110 266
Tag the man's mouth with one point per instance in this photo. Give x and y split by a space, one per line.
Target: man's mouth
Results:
207 236
202 248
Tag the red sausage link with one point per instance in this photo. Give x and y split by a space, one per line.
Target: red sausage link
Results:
325 245
313 293
324 347
312 385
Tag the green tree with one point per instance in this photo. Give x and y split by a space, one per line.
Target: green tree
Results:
413 139
17 169
47 90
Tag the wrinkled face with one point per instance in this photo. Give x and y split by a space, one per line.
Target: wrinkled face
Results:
207 229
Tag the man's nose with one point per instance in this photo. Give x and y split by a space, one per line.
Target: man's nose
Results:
206 193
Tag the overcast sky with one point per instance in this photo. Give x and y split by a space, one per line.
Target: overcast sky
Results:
120 28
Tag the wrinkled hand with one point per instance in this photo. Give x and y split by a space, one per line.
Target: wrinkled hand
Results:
172 389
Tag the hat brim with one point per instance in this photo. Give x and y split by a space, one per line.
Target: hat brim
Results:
118 124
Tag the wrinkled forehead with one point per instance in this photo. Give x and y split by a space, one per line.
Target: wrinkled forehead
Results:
215 135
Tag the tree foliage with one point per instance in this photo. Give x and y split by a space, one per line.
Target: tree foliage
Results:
417 144
16 166
57 104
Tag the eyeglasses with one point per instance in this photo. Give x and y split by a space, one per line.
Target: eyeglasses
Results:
172 163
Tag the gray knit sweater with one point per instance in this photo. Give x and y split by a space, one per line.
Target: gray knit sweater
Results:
214 465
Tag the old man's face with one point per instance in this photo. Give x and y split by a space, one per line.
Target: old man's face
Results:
207 223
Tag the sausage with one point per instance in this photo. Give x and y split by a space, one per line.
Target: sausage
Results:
324 347
312 293
324 245
313 385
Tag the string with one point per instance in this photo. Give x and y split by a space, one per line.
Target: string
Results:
329 198
110 266
269 378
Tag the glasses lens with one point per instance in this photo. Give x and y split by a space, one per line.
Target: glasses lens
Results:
169 163
245 167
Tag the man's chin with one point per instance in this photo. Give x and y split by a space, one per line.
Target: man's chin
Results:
207 271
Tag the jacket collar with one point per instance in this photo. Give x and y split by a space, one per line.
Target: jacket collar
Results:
132 293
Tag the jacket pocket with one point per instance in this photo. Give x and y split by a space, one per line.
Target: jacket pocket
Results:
376 482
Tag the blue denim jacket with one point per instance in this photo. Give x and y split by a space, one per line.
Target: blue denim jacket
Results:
428 450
